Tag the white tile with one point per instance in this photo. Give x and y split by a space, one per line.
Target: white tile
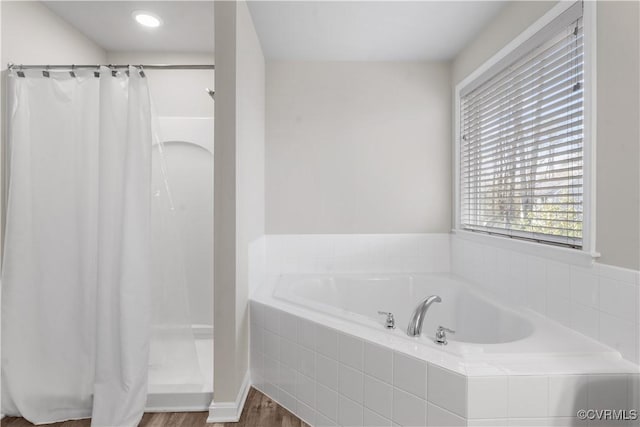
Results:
517 264
327 341
634 393
307 362
557 310
327 402
528 396
487 397
447 389
272 319
306 333
306 413
401 245
584 286
271 345
288 401
288 353
408 410
257 314
327 371
536 284
272 391
529 422
378 361
350 413
436 416
257 366
494 422
567 394
288 326
558 280
371 419
351 383
378 396
410 374
306 390
621 335
567 422
322 421
287 380
257 381
619 273
607 391
619 299
256 340
350 351
585 320
271 371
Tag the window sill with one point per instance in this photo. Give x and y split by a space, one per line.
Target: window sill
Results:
561 254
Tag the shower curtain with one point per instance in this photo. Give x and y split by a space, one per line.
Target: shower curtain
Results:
76 268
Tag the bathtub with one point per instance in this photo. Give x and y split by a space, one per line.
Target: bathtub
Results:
486 328
318 339
479 323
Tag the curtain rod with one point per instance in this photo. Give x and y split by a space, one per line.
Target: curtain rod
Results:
143 66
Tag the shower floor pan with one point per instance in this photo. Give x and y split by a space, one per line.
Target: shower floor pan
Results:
165 394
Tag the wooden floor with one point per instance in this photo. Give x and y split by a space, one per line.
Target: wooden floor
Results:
259 411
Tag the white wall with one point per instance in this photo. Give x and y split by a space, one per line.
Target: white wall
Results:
618 134
239 189
32 34
177 93
357 147
225 382
618 109
250 165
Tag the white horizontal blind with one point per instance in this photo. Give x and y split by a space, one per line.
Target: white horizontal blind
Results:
521 153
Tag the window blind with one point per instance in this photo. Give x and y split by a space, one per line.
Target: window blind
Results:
521 148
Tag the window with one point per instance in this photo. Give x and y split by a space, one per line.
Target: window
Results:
521 131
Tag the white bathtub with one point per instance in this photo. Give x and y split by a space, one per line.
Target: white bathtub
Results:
491 336
319 348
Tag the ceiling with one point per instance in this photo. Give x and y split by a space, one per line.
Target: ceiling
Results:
293 30
187 27
369 30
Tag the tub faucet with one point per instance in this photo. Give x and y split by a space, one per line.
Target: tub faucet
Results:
415 325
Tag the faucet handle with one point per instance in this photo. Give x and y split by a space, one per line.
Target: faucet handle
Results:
390 322
441 335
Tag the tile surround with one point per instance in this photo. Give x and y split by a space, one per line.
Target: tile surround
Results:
600 301
338 379
340 394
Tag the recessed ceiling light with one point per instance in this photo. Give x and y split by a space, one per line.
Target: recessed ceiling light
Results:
147 19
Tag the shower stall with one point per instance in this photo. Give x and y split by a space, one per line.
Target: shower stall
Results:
107 279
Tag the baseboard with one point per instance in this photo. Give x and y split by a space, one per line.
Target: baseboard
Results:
178 402
229 412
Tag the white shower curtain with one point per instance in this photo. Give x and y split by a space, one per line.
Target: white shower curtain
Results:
76 269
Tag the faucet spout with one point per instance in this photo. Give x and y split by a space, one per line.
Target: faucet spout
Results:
417 318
